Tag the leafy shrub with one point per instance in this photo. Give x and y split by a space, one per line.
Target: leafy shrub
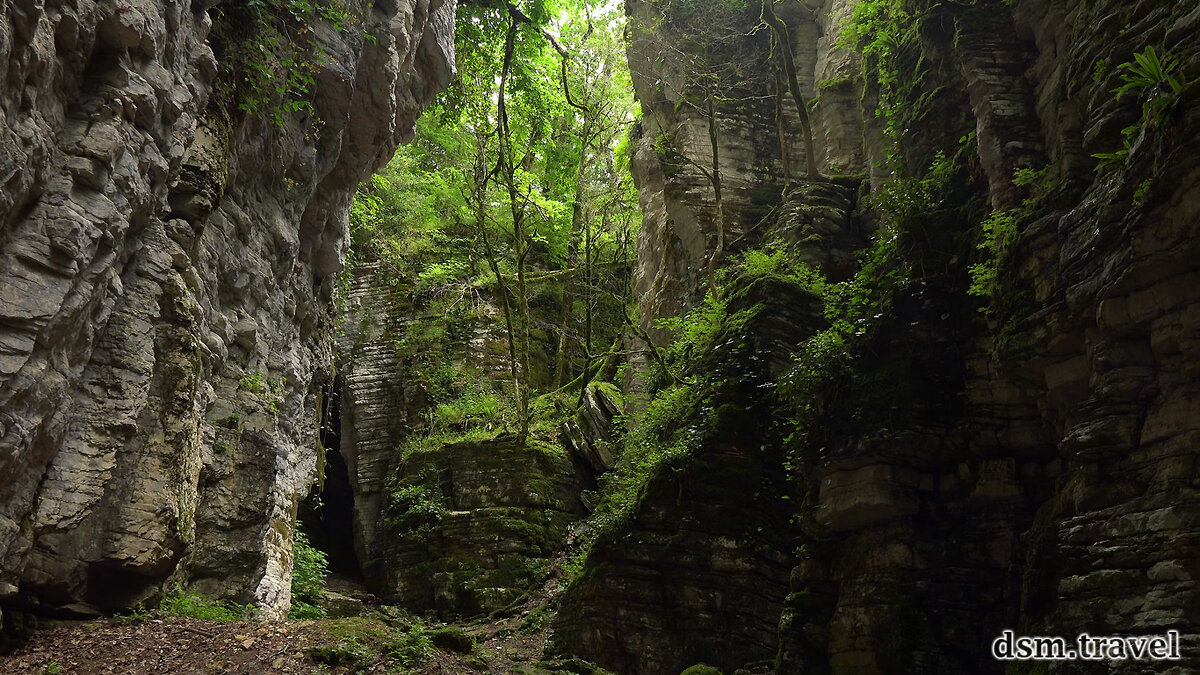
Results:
999 231
197 606
413 508
412 646
309 569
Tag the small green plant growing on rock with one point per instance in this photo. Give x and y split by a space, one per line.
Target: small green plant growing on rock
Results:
1154 77
999 231
136 616
270 393
413 509
276 59
254 383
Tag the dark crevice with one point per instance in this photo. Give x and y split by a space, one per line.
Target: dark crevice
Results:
327 515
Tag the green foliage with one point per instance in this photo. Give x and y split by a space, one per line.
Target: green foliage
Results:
363 645
498 238
824 363
53 668
273 56
1156 81
697 329
269 393
137 616
1142 192
197 606
537 619
690 396
774 260
309 569
885 33
254 383
475 407
999 231
452 638
701 669
414 508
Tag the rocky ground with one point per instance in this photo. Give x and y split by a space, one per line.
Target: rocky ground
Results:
382 640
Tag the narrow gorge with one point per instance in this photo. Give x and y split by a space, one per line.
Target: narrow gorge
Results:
656 338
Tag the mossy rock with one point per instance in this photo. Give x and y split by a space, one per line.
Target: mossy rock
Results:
452 638
701 669
563 666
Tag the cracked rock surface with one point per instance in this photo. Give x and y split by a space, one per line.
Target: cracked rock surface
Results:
166 265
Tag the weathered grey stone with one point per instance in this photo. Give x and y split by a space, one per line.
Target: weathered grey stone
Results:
164 268
337 605
1042 472
478 527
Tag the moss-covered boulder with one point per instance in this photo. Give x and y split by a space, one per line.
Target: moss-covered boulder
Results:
470 527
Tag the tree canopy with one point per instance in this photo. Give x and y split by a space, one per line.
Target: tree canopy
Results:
515 198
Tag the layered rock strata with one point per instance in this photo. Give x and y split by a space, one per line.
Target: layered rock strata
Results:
471 527
167 253
1033 469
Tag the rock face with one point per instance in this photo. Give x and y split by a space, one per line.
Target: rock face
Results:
167 252
1034 469
458 527
470 527
760 147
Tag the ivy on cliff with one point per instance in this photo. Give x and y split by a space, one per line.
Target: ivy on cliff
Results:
270 55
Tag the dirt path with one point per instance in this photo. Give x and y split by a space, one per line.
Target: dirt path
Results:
384 640
160 646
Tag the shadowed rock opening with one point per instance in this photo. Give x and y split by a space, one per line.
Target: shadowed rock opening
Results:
327 515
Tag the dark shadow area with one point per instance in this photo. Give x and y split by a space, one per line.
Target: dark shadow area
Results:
327 515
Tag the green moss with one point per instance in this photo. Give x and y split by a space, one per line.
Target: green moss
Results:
452 638
358 643
835 83
536 619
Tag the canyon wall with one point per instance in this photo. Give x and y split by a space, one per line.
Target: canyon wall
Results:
174 184
1032 466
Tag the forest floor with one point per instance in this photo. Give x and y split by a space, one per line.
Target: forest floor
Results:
383 640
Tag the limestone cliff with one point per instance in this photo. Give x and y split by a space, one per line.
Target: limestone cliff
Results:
171 223
1031 468
453 517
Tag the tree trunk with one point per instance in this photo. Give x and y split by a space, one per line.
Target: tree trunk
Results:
789 68
715 178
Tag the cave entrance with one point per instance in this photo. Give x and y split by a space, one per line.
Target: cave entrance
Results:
327 515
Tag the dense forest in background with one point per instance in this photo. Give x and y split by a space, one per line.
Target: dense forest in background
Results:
512 210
